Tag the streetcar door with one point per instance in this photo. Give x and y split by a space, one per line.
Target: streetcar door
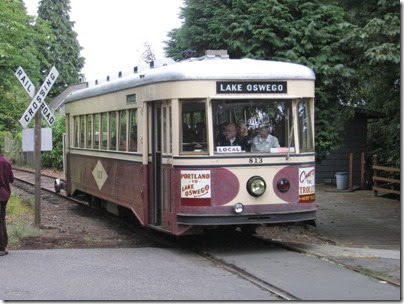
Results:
155 196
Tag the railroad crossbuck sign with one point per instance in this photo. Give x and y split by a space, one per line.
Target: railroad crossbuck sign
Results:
38 99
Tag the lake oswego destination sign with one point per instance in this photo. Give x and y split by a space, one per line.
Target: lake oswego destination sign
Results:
235 87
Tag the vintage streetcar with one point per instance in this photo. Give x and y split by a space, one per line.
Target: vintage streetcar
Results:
197 144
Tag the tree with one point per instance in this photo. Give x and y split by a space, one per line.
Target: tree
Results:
19 37
374 41
306 32
54 158
64 52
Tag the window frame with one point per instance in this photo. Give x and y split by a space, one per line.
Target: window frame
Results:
203 150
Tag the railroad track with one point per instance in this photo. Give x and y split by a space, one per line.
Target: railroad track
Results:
28 177
272 289
194 245
47 183
190 245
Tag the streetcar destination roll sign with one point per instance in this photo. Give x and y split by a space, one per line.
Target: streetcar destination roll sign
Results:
254 87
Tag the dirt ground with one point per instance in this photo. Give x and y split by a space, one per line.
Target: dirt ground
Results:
68 225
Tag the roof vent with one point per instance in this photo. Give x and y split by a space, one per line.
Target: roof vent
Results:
216 54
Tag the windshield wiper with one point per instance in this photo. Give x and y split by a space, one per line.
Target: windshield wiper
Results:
290 135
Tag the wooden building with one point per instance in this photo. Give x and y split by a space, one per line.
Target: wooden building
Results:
354 141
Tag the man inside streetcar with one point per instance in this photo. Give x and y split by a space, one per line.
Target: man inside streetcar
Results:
231 138
264 141
242 134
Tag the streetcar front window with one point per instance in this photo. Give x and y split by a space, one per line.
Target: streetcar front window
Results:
253 126
306 141
193 128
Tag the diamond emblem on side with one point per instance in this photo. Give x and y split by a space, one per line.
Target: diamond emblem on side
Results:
100 175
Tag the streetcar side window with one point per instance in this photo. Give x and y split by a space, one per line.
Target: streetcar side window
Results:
132 130
76 131
104 130
306 142
170 121
193 130
256 126
82 130
164 125
89 131
122 130
96 131
112 130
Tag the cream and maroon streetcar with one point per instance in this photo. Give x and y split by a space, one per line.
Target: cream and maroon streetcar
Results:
197 144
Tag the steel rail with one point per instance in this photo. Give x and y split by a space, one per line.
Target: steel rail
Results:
282 294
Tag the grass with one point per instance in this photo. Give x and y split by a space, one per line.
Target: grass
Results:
91 240
20 220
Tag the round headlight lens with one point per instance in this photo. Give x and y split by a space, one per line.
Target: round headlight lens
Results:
256 186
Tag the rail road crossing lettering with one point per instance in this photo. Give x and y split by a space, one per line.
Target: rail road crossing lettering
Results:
38 101
195 184
25 82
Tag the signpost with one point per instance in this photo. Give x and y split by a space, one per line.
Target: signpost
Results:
36 107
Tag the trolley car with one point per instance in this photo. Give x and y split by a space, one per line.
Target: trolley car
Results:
196 144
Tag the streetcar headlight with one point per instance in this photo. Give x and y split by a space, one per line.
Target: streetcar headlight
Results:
256 186
238 208
283 185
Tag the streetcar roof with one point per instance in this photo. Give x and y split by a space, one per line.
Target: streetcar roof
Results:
207 69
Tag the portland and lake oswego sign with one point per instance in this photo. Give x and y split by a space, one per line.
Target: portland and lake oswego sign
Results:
236 87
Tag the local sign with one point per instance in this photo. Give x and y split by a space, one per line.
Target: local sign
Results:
38 101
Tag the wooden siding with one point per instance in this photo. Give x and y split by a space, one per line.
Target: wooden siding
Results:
355 141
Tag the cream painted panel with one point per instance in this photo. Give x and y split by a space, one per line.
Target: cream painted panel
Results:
170 90
244 174
223 162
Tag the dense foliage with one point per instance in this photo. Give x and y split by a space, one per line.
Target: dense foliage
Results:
353 46
54 158
324 35
64 51
374 45
19 40
35 45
